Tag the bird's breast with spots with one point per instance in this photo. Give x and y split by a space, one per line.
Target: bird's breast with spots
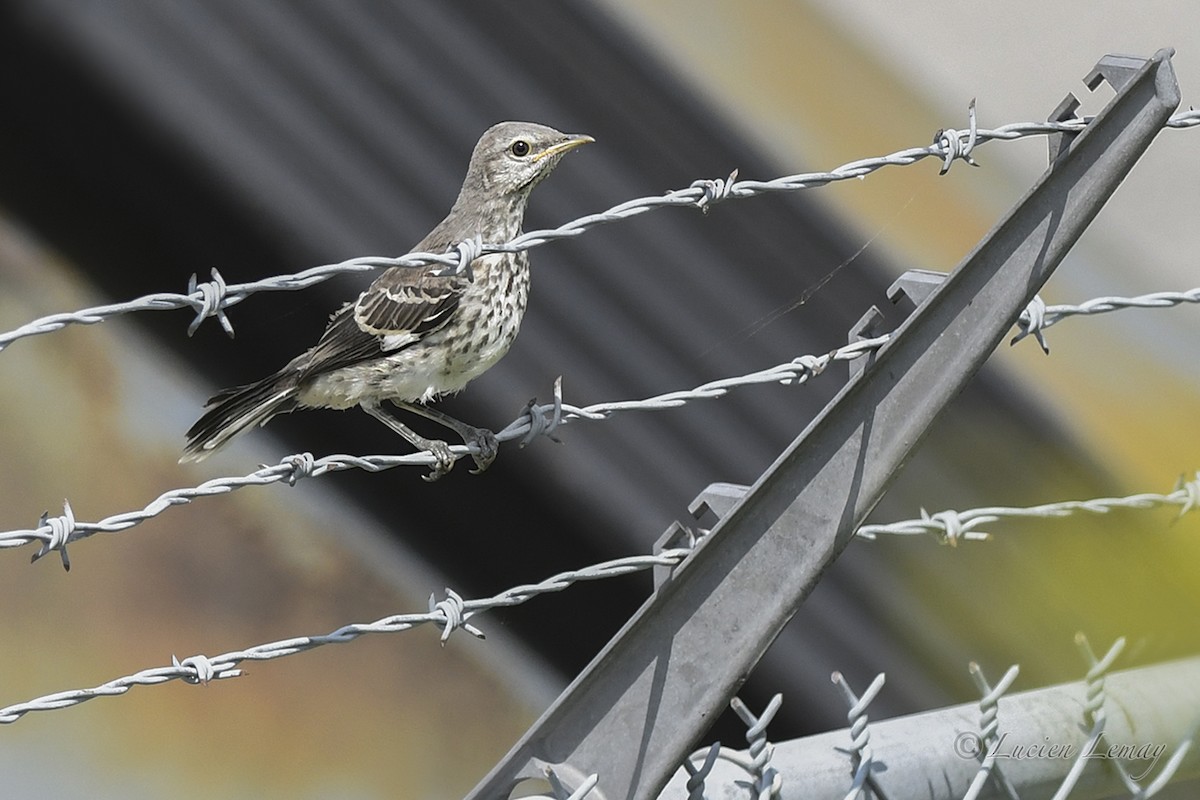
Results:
483 329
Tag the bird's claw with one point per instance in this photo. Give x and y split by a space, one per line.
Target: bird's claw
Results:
485 441
443 459
483 446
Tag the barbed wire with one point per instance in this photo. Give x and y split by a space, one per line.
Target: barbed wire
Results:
952 527
55 533
213 297
453 612
949 526
449 614
535 420
1038 316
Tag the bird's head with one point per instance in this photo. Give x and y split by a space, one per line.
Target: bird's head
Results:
512 157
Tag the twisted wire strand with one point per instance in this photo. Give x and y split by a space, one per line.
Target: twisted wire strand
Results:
767 780
212 298
698 774
989 727
454 612
1038 316
202 669
55 533
862 757
953 526
948 526
1094 716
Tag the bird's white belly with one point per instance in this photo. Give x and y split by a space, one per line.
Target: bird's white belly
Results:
423 374
417 375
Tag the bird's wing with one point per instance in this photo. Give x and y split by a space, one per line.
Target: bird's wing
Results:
403 305
408 300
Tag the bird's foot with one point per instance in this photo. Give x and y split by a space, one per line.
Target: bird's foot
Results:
443 459
481 443
487 445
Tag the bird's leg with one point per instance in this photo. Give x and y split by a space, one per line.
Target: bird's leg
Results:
483 439
441 451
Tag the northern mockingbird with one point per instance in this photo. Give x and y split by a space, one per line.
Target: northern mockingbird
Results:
417 333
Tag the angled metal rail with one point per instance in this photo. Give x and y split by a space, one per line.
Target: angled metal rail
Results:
633 714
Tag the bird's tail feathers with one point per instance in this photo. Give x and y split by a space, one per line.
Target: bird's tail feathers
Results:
236 409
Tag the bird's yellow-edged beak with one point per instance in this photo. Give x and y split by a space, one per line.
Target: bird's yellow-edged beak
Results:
572 141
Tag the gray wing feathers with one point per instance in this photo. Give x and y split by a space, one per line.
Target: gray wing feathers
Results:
402 305
400 301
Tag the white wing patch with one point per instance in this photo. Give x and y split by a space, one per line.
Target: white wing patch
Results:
396 340
403 301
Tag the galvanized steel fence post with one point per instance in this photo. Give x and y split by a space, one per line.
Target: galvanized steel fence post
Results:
639 707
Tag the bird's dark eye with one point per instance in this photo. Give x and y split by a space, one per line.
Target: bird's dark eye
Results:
519 148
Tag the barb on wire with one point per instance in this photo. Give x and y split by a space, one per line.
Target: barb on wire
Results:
715 190
538 424
954 526
861 756
199 669
202 669
1032 322
60 530
212 302
453 612
213 298
952 143
989 733
56 533
1038 316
